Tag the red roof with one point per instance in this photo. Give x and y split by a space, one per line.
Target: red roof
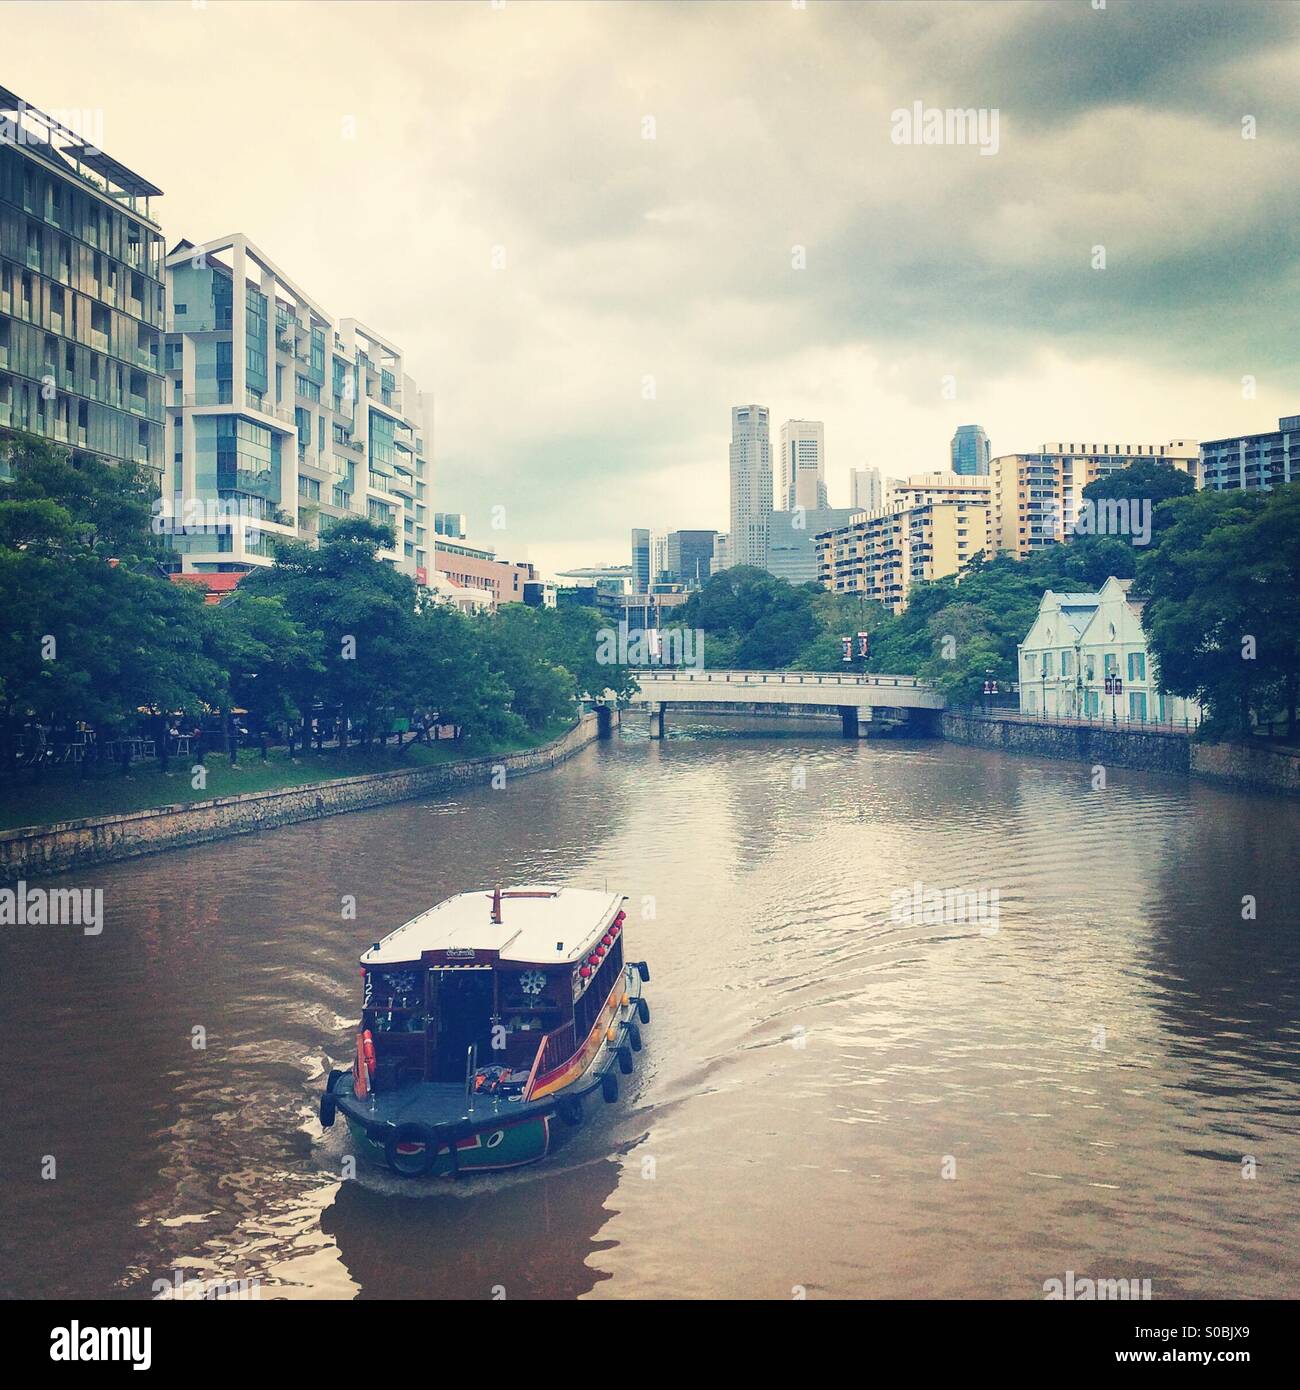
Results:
216 586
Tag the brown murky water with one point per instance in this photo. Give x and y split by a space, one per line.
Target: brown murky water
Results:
813 1066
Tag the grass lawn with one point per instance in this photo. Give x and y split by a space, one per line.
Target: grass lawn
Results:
63 794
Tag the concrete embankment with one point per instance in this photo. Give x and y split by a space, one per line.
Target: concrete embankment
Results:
51 849
1244 766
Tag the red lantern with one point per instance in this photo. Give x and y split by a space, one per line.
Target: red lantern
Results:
584 971
607 939
598 952
620 918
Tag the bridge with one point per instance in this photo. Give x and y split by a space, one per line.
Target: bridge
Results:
861 700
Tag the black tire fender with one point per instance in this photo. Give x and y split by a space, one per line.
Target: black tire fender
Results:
634 1037
625 1060
643 1010
411 1165
609 1087
570 1110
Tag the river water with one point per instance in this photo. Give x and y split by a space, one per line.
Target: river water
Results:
1097 1072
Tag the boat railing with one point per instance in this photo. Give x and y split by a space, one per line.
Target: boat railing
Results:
550 1054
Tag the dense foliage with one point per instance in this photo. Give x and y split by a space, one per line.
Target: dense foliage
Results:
1221 572
96 635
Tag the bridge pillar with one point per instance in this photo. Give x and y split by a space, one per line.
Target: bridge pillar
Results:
658 719
855 720
604 721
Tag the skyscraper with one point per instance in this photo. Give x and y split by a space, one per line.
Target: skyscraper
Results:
803 465
866 491
970 450
640 559
751 486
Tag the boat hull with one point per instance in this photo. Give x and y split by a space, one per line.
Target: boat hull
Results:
509 1144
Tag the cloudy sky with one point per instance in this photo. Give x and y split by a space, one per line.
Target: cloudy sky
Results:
385 155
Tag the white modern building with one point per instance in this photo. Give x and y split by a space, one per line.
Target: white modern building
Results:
803 465
281 419
866 489
1079 640
751 486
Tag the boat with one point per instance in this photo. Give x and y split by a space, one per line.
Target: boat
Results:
484 1020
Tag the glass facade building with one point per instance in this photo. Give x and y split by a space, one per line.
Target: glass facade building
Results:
81 293
282 420
970 450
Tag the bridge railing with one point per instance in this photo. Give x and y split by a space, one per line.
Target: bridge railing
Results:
814 678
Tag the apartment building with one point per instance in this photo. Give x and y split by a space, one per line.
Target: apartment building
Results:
1253 461
281 419
932 525
1036 497
81 291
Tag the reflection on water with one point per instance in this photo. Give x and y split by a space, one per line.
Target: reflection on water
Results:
1094 1075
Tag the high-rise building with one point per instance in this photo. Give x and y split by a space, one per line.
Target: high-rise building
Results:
642 559
690 557
82 302
866 492
751 486
803 465
970 450
1036 497
721 553
1253 461
282 420
792 541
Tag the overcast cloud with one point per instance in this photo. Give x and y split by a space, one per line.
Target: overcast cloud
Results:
671 258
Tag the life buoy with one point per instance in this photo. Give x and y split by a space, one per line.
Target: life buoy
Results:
368 1048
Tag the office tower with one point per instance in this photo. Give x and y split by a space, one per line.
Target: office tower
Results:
803 465
866 492
970 450
282 419
751 486
641 559
1253 461
81 292
792 541
690 557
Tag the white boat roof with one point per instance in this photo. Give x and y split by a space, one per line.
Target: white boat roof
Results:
553 924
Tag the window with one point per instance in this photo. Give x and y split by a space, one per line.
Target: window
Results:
1137 666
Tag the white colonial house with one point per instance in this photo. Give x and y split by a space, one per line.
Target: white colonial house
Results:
1076 642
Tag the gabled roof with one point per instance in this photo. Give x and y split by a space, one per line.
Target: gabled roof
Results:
540 923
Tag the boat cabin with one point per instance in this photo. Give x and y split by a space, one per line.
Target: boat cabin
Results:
505 989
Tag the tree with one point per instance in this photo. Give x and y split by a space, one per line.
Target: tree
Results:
1218 622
